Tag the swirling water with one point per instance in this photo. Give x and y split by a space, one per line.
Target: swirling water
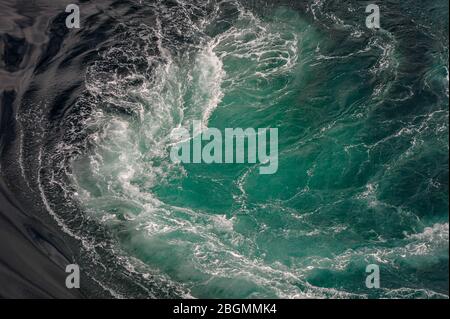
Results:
363 156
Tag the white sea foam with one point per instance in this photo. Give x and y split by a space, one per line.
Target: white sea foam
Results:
129 157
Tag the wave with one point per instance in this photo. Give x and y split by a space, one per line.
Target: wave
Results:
360 117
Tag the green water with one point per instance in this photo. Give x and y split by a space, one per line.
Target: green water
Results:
363 162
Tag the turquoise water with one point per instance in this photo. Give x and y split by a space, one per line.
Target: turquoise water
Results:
363 151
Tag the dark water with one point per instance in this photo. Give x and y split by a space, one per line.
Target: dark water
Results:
85 174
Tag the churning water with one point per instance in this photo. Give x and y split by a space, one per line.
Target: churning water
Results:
363 147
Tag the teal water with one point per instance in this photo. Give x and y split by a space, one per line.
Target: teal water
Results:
363 151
